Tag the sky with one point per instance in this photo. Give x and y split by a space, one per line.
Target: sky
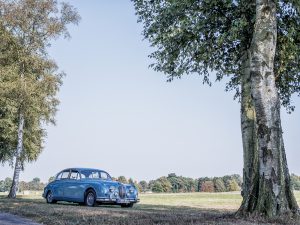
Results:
119 115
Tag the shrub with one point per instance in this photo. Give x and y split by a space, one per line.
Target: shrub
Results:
157 187
207 186
219 185
233 186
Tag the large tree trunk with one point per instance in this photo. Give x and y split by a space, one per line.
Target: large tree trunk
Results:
249 137
18 165
266 189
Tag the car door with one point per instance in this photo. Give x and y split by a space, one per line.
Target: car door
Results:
58 186
73 187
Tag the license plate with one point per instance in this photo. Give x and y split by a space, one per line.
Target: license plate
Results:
123 201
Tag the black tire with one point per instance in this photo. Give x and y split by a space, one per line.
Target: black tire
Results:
90 198
128 205
49 198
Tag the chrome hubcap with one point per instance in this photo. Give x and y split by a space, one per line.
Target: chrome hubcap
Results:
90 199
49 197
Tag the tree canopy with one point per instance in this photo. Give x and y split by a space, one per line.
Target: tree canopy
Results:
199 37
256 45
30 80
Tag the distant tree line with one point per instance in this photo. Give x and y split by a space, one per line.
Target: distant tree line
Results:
295 181
165 184
34 185
179 184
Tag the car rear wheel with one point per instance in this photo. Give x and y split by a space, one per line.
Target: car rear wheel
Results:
49 198
129 205
90 198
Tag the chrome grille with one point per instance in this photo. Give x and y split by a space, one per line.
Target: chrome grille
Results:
122 191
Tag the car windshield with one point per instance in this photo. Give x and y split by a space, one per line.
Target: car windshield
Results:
94 174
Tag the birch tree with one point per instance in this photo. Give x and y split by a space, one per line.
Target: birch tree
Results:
34 78
8 109
256 43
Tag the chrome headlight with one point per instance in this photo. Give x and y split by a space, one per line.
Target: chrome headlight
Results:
131 190
112 188
113 195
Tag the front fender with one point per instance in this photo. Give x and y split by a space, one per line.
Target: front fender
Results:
96 187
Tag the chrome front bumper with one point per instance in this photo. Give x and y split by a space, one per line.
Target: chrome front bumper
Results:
118 201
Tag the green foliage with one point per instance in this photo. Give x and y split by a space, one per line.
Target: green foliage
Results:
143 186
181 184
29 80
175 184
157 187
207 186
295 182
8 109
122 179
201 181
219 185
34 185
233 186
228 181
137 186
23 186
5 184
165 183
287 64
197 36
130 181
213 35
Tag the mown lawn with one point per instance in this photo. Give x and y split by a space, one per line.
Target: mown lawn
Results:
159 209
223 201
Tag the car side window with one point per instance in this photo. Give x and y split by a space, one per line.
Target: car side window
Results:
94 175
104 176
74 175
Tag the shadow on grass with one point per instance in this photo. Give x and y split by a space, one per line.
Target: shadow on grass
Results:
140 214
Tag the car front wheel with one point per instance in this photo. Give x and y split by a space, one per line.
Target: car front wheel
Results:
90 198
49 198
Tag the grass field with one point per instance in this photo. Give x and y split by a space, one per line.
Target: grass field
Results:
159 209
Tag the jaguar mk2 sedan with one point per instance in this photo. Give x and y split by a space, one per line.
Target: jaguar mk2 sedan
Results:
89 186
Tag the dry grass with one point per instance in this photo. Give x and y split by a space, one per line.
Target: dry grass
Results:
159 209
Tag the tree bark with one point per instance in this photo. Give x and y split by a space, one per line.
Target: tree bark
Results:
18 164
249 138
266 188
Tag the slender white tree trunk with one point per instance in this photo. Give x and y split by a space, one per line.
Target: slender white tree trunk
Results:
18 164
249 135
267 189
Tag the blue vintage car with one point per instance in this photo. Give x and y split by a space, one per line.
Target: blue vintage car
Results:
89 186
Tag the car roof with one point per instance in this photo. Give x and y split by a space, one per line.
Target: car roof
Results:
79 169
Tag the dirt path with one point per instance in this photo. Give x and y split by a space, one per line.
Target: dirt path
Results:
10 219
